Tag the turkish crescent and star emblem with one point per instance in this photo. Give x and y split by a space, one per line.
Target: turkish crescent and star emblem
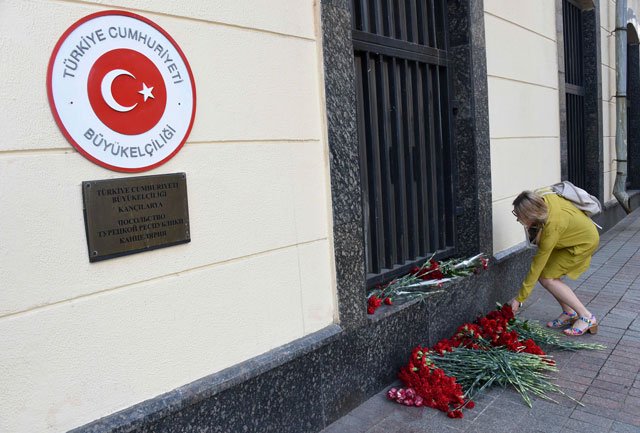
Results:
126 91
121 91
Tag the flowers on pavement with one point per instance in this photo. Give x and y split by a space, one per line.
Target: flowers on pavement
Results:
488 352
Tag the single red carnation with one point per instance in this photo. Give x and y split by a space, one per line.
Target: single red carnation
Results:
373 303
431 272
530 346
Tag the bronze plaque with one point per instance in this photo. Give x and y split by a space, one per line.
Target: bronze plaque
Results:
134 214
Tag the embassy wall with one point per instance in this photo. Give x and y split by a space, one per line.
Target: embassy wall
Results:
522 74
528 112
81 340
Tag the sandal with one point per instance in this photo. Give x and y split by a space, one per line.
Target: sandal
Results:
592 327
560 322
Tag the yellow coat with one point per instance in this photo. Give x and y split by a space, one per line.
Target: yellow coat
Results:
567 241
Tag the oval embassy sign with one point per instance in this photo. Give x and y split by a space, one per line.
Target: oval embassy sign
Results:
121 91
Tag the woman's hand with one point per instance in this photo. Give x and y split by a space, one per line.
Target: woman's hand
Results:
515 305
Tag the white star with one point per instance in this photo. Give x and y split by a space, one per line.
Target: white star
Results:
146 92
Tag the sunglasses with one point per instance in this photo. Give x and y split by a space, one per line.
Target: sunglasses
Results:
517 217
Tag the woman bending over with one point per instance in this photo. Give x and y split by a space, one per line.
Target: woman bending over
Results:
566 240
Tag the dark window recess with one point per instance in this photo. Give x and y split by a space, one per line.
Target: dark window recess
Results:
574 91
406 155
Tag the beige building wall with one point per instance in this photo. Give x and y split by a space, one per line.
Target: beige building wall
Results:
524 119
522 68
81 340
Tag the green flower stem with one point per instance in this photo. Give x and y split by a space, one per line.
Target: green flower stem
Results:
547 337
477 370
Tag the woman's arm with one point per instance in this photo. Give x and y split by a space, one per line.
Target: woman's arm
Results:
548 240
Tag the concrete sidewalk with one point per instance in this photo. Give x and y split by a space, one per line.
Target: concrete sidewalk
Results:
606 382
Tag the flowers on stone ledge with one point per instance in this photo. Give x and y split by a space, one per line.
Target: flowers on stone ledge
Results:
421 280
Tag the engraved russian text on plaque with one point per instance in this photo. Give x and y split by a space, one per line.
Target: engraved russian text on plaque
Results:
135 214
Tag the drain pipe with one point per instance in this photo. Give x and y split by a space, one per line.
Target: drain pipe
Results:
619 188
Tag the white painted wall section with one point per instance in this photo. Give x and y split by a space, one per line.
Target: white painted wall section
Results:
522 68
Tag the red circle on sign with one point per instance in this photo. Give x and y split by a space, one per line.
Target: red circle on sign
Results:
127 91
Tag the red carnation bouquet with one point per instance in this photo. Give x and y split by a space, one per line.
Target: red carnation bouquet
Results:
490 351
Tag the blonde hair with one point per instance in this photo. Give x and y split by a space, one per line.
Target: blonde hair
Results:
532 207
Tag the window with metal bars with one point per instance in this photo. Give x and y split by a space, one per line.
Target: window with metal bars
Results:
404 129
572 21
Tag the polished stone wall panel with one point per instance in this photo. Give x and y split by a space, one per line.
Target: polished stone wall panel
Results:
633 116
346 194
593 103
350 273
562 99
471 127
340 96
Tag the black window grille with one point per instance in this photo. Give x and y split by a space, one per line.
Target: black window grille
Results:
404 126
574 90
